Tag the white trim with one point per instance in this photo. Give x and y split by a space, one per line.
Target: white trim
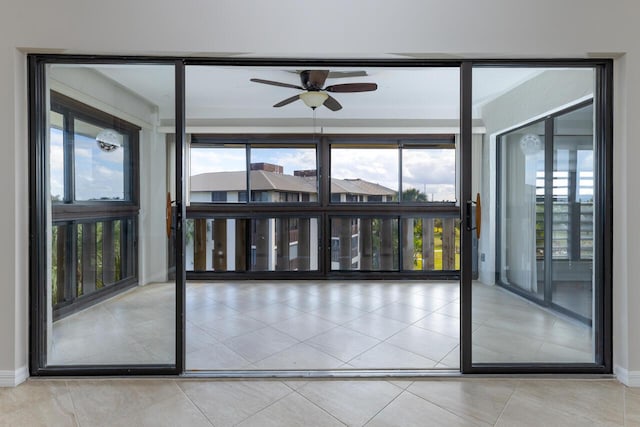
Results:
13 378
630 379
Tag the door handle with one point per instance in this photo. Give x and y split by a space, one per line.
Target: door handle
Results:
469 217
168 215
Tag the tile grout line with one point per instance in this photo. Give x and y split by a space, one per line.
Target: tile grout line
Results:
73 404
193 403
297 343
462 417
451 351
624 406
320 407
507 402
291 391
385 406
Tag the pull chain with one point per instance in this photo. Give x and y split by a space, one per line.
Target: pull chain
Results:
313 138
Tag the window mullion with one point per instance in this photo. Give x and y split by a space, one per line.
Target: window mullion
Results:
69 157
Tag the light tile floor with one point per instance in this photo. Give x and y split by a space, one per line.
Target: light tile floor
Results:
317 325
423 402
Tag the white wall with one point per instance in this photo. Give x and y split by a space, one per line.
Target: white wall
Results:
422 28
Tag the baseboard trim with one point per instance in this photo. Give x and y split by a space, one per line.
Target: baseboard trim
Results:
13 378
630 379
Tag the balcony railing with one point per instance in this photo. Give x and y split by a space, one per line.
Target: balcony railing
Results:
90 259
427 244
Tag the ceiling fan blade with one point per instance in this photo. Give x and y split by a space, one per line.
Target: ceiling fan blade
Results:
337 74
352 87
272 83
332 104
313 79
287 101
341 74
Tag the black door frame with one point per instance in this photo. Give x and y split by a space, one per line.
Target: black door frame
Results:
37 240
38 224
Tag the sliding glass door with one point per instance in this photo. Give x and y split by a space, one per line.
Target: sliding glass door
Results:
540 297
426 215
104 218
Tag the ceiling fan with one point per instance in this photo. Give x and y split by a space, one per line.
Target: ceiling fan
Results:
315 94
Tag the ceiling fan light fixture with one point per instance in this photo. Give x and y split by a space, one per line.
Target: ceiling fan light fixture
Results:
314 99
108 140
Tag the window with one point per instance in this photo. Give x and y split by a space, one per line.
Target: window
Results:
429 173
217 169
282 170
219 196
364 173
93 176
374 172
91 153
276 172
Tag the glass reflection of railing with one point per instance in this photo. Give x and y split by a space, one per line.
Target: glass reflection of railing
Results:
290 244
426 244
251 244
89 257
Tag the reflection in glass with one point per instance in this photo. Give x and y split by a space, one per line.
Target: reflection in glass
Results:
56 157
522 246
430 244
261 244
573 213
367 244
110 298
99 174
429 174
364 174
218 173
543 205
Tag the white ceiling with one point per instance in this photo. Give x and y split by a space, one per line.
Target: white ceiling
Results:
226 92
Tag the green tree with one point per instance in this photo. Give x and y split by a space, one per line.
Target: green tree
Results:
414 195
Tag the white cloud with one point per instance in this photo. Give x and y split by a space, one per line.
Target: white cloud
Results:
205 160
292 159
374 165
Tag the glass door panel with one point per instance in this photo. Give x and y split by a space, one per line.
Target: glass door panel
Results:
533 301
110 298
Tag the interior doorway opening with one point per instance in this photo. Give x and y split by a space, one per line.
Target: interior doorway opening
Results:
239 235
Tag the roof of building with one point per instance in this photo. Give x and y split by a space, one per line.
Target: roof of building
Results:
269 181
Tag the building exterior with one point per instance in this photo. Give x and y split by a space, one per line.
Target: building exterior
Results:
277 244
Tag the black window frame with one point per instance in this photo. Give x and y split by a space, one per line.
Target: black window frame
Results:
72 109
